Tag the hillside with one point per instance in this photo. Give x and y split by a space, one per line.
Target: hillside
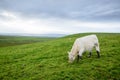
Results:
49 60
18 40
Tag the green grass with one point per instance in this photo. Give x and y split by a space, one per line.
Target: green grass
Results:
18 40
49 60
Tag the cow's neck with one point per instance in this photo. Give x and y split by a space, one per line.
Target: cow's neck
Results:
74 50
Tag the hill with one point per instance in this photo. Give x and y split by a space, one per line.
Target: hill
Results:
33 35
18 40
49 60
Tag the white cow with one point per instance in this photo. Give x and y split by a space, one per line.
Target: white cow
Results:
83 44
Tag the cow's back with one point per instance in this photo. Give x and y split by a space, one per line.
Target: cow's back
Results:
87 42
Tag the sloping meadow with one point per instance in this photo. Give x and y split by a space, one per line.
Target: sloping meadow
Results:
49 60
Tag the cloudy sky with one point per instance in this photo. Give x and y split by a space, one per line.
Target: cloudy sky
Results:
59 16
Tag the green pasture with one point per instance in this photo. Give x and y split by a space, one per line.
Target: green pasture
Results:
48 59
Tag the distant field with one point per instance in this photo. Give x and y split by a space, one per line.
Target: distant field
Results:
49 60
17 40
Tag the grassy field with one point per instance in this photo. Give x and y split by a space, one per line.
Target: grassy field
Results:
49 60
17 40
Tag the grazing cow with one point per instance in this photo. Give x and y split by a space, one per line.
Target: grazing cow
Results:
83 44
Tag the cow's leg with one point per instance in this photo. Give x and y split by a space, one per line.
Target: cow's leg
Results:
78 58
90 53
80 53
97 50
98 53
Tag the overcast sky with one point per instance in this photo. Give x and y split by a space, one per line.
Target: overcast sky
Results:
59 16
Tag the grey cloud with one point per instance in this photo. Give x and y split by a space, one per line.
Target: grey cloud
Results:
72 9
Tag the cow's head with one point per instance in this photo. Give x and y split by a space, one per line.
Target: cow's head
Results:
71 57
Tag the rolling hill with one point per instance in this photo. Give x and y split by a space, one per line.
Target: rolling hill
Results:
48 60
